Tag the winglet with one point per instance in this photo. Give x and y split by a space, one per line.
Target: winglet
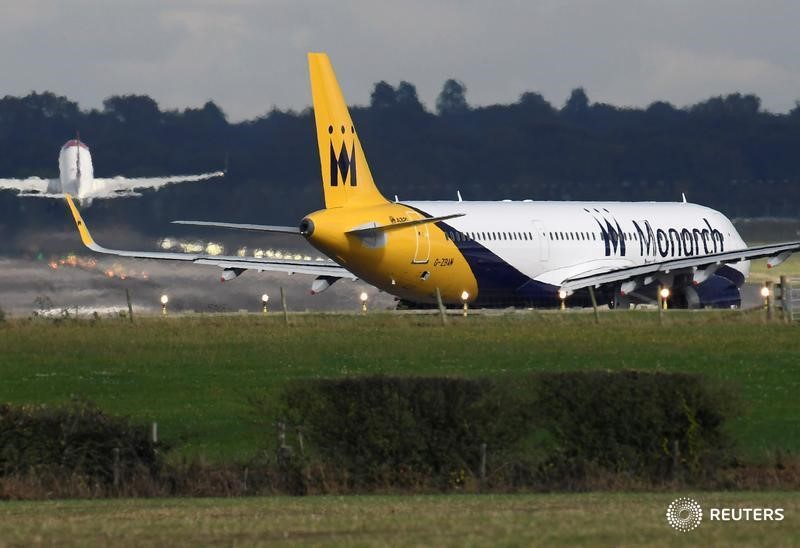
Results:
86 238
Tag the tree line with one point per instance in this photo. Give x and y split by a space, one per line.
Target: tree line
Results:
725 152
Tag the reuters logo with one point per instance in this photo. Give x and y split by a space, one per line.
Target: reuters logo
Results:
684 514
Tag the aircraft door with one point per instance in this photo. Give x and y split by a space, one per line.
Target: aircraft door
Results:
541 241
423 251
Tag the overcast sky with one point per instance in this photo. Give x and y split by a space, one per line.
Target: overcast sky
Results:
249 55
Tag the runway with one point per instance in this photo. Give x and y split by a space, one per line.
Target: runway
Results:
94 283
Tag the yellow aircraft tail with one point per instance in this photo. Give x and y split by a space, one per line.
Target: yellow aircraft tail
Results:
346 178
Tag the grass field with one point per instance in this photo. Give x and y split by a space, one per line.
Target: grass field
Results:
468 520
193 374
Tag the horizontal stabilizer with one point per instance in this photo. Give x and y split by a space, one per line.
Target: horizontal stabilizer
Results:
383 228
236 226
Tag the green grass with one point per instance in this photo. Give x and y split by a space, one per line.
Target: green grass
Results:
468 520
193 375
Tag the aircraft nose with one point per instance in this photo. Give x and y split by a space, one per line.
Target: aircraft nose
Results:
307 227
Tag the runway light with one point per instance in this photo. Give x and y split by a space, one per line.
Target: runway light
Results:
664 294
464 299
765 294
562 294
264 301
363 298
164 301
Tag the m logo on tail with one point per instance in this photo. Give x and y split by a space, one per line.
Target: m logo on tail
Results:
343 165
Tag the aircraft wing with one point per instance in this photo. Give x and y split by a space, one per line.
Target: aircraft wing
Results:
117 187
699 266
32 186
316 268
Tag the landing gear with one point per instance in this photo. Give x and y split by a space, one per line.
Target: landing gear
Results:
620 301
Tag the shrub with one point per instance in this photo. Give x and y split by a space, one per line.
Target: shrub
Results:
396 430
74 440
654 426
546 429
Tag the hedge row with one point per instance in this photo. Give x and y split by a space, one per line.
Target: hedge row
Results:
546 429
570 430
74 440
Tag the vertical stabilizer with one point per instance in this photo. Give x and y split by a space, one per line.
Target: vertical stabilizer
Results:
346 178
78 157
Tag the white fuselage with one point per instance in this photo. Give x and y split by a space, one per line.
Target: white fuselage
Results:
76 173
550 242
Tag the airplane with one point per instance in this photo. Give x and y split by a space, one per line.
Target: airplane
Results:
490 254
76 177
